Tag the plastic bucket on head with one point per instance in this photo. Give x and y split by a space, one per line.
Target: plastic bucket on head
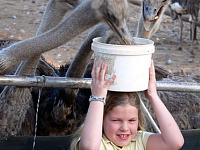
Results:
130 63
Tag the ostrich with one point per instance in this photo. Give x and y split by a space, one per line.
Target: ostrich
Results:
79 62
186 7
12 119
150 17
86 15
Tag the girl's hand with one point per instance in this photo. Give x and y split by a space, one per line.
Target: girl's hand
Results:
152 90
99 86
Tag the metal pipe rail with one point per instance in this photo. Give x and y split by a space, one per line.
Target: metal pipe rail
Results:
63 82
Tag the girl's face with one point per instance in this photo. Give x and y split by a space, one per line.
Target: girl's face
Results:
120 124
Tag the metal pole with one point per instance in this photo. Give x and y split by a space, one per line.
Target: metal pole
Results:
178 86
156 128
63 82
45 81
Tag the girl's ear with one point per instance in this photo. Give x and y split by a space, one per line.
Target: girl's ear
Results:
96 4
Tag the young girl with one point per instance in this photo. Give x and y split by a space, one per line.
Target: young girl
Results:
117 123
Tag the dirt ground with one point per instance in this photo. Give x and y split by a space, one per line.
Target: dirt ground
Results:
20 19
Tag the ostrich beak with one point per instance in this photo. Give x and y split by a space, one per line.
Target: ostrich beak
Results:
150 16
123 33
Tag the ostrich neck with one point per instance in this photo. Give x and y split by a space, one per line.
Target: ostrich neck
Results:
52 16
141 32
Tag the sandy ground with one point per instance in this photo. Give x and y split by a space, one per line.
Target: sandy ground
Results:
20 19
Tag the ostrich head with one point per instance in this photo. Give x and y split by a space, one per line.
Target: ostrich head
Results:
114 13
152 11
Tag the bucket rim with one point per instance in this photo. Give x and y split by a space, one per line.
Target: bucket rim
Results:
140 49
96 39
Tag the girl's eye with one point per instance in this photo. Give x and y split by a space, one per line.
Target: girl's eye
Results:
132 120
115 120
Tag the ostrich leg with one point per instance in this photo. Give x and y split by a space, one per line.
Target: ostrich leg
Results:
195 31
15 100
193 36
187 7
181 32
193 9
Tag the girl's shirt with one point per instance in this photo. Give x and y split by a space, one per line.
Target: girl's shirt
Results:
138 143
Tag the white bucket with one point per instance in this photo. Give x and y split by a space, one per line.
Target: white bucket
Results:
130 63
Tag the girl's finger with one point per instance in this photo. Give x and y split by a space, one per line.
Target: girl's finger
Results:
152 65
109 82
152 72
102 74
93 71
97 70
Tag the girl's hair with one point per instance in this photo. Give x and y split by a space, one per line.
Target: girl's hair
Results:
116 99
75 137
122 98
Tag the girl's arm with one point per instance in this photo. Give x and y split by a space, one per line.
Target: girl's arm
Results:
170 137
92 131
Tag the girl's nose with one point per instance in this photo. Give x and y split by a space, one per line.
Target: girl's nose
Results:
124 126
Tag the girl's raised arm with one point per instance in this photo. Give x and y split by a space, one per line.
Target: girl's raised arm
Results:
170 137
92 131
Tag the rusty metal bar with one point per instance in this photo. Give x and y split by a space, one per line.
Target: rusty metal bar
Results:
178 86
63 82
44 81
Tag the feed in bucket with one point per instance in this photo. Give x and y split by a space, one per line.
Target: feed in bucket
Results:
129 62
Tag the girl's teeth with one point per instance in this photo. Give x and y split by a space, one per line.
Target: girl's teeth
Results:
123 135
